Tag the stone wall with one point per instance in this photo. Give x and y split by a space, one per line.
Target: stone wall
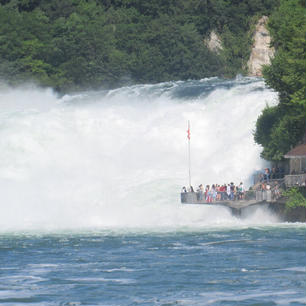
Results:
297 214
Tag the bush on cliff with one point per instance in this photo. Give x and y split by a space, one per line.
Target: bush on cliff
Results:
296 198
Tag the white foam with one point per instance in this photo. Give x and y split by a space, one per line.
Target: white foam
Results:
119 158
123 281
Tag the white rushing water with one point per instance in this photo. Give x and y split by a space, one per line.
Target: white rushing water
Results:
119 158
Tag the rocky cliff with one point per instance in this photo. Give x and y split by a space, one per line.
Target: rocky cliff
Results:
214 43
261 53
297 214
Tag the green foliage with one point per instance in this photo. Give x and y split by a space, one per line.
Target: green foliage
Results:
278 131
296 198
83 44
280 128
264 125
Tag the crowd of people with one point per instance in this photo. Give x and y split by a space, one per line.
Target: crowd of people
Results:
275 189
273 174
215 192
225 192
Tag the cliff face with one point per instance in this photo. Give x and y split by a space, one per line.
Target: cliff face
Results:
261 53
297 214
214 43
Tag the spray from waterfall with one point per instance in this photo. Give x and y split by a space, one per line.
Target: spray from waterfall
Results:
117 158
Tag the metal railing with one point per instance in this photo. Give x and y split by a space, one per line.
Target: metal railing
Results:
198 197
261 177
271 194
295 180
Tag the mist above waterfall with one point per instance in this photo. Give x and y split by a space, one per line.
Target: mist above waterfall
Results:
118 158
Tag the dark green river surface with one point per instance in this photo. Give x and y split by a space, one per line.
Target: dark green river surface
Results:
218 266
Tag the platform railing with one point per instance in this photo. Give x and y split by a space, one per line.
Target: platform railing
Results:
198 197
263 195
295 180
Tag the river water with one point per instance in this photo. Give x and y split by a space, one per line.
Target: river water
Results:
230 266
90 210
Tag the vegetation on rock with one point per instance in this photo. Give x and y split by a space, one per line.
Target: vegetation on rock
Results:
296 198
84 44
281 127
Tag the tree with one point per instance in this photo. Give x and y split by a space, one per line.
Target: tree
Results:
283 126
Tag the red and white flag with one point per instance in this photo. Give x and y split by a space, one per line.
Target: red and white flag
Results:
188 131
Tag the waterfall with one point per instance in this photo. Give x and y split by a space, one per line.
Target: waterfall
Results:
118 158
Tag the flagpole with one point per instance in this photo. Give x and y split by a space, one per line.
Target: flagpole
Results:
189 160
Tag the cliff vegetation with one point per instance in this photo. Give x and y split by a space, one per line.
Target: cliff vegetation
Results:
79 44
281 127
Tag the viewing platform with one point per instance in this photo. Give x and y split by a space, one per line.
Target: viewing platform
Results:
259 197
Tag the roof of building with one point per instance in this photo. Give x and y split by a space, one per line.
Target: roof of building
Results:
297 152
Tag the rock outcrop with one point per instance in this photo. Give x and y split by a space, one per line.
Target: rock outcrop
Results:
214 43
261 53
297 214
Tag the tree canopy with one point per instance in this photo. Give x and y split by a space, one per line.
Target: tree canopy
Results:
281 127
84 44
